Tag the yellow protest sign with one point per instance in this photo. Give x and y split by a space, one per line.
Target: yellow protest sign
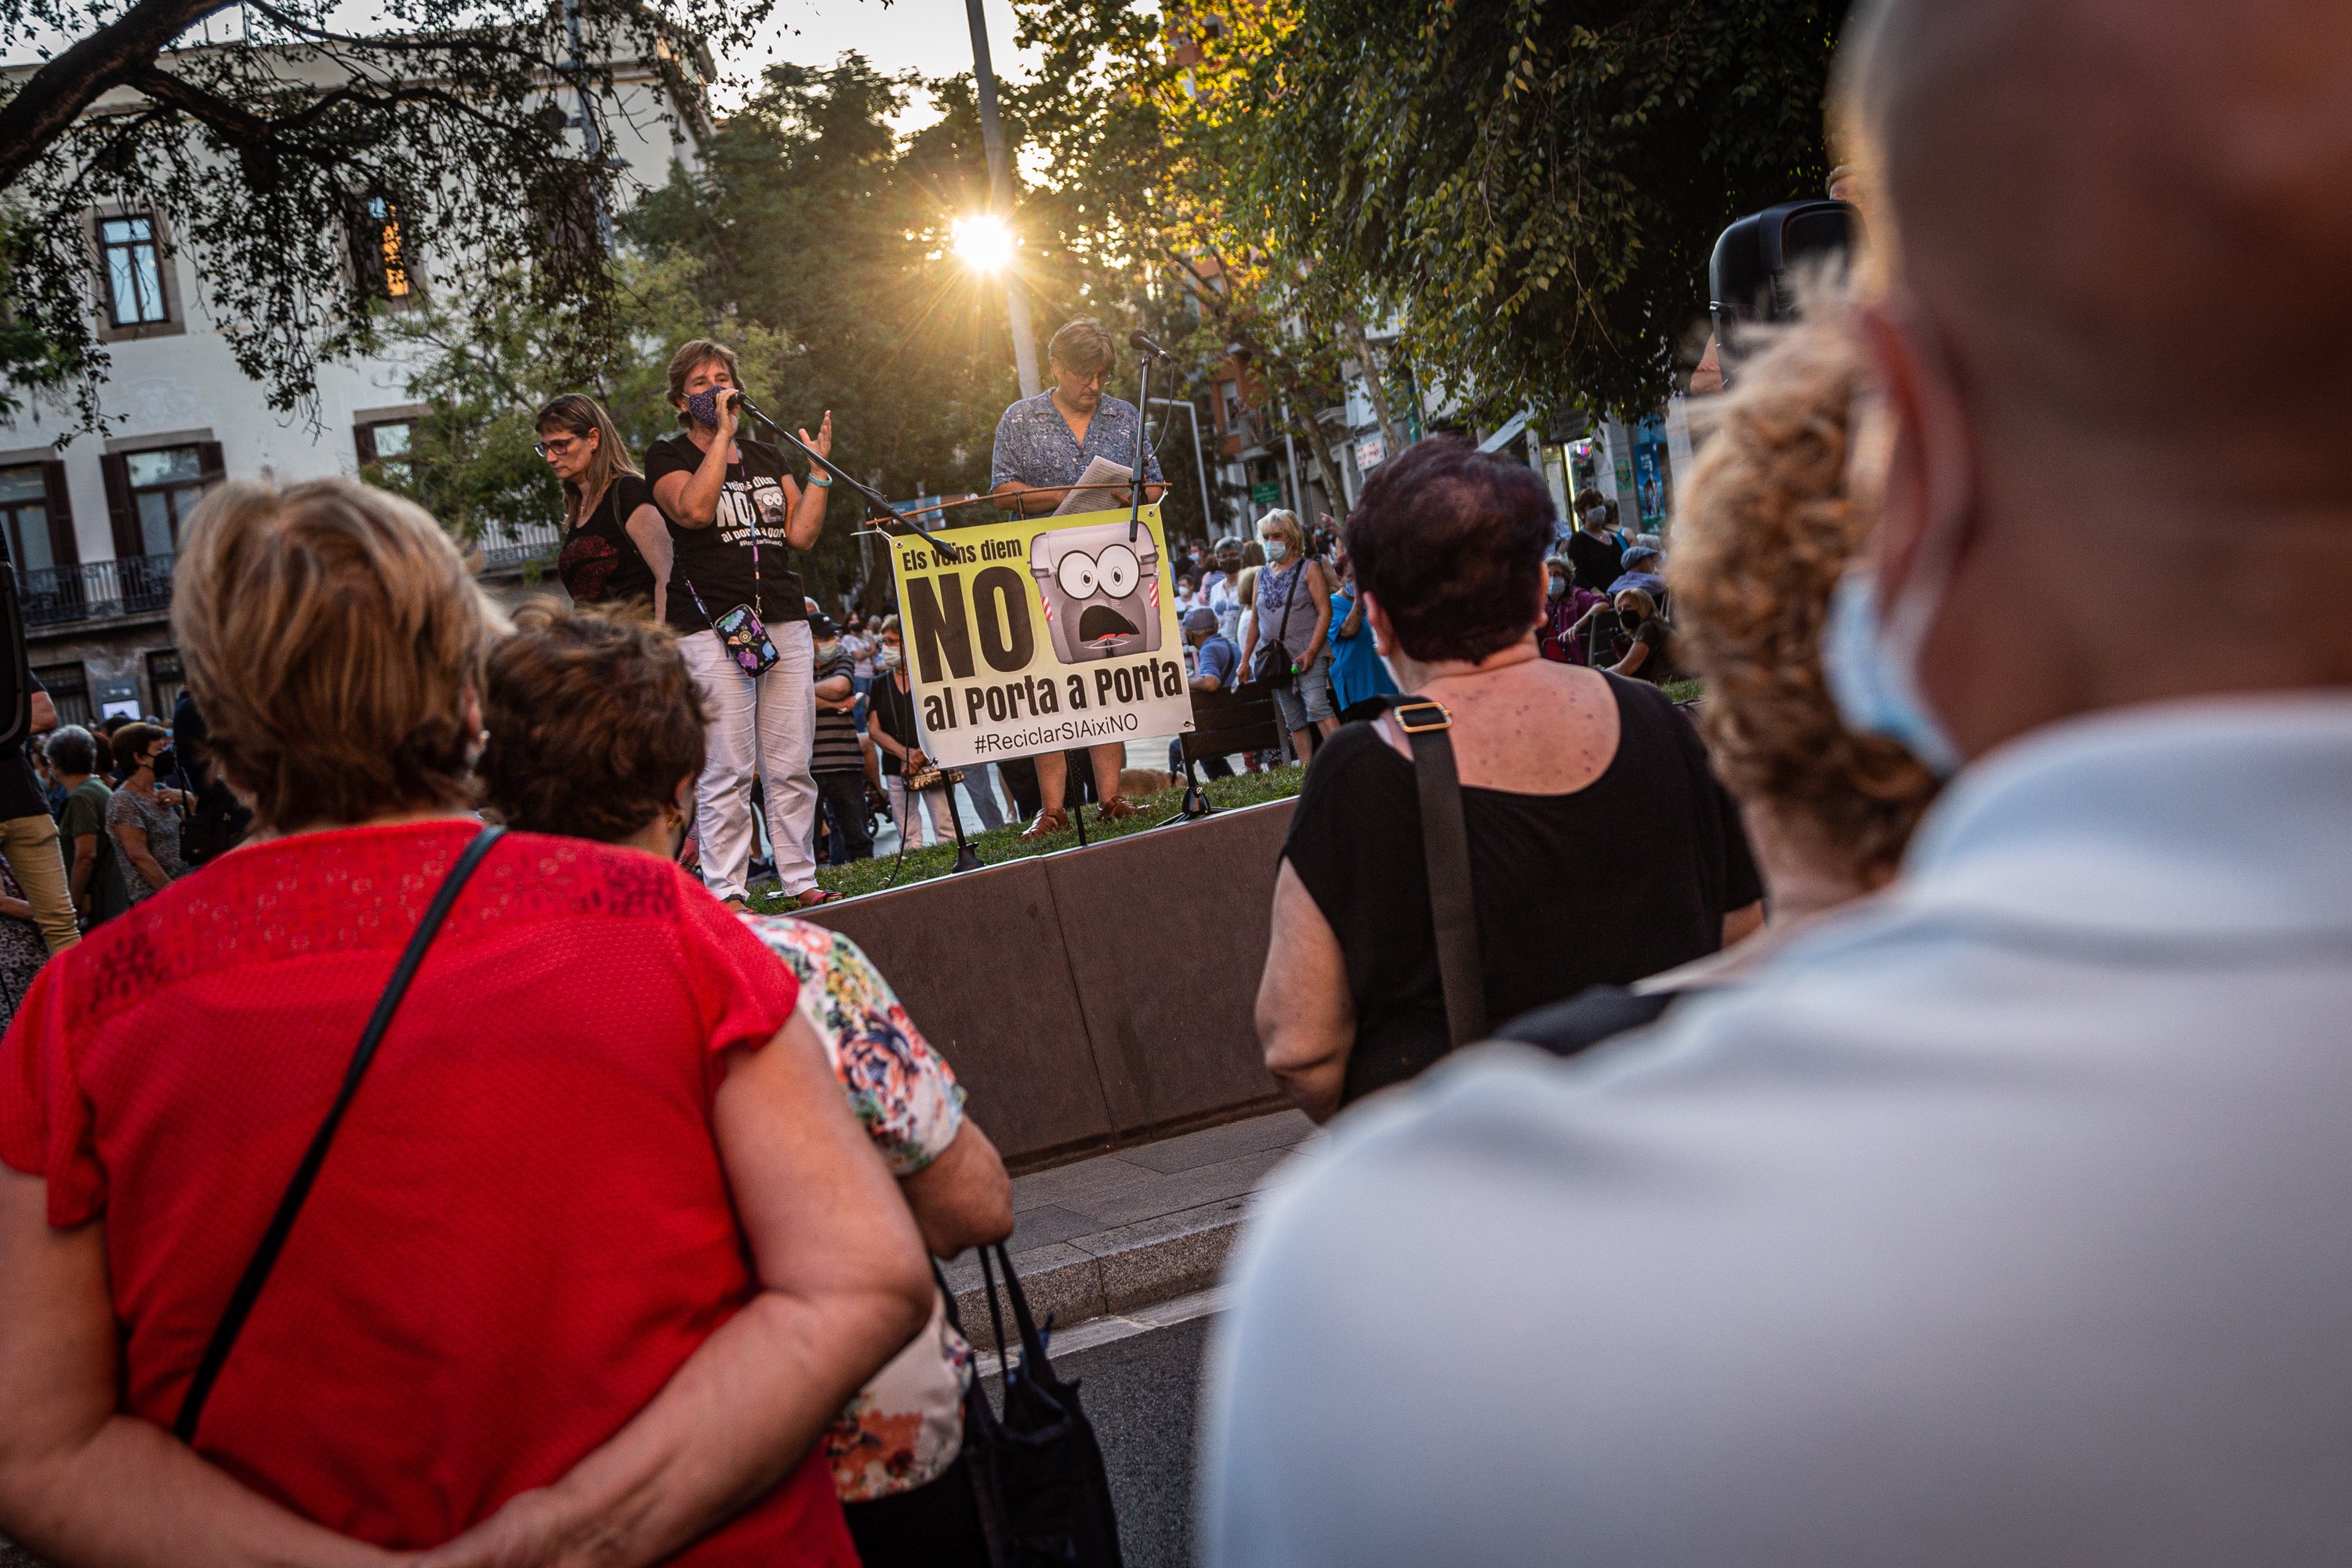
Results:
1042 634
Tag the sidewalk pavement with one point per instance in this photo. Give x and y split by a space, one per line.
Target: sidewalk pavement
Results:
1121 1233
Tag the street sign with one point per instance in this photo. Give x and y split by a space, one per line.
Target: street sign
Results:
1266 494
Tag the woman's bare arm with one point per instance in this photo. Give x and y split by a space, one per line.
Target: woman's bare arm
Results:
80 1483
963 1198
133 841
651 536
1305 1018
842 1288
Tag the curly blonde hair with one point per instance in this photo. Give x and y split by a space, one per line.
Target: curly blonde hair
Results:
1766 528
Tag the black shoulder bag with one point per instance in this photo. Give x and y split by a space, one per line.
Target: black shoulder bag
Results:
273 1240
1445 850
1037 1471
1270 661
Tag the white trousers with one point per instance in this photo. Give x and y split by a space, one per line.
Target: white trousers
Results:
935 806
760 728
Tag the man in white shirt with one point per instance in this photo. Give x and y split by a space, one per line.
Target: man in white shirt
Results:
2007 1220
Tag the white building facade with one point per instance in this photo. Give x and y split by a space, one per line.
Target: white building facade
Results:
93 519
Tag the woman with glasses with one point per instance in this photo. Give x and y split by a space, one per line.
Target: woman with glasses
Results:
616 543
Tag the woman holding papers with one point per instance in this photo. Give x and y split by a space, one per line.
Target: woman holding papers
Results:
1052 453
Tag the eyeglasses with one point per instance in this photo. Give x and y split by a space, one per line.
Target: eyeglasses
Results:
554 448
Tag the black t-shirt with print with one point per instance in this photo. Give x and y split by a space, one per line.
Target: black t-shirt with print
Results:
715 564
600 563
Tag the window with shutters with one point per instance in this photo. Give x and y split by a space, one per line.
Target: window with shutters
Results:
24 516
163 485
382 447
138 282
164 682
69 686
133 262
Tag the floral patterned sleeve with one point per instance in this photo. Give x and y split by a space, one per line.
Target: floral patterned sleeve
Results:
901 1090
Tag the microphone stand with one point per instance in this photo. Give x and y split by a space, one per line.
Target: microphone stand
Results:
877 509
1142 425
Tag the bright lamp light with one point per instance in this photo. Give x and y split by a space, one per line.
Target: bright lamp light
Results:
983 242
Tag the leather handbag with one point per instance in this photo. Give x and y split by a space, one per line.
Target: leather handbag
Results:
273 1239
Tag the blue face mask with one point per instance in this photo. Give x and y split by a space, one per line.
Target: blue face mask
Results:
1873 676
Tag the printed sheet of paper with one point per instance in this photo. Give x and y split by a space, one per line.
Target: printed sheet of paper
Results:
1100 471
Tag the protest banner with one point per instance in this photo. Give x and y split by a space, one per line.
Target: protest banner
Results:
1042 634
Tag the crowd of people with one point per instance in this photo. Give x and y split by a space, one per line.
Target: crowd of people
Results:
1893 1116
1985 1206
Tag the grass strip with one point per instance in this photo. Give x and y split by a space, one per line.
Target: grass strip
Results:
1003 844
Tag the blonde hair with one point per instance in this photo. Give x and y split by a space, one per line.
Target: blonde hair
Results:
580 414
696 351
1644 604
331 636
1286 523
1766 529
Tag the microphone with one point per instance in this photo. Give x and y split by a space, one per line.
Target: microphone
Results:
1144 346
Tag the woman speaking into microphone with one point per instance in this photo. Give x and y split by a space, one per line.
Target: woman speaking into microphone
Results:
736 515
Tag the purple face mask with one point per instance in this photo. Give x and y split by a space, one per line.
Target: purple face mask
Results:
702 408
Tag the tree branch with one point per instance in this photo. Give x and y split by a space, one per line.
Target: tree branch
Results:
232 120
54 97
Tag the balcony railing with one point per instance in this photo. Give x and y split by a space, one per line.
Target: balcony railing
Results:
506 545
140 584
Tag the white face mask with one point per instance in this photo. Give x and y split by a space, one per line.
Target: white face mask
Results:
1871 664
1276 551
891 657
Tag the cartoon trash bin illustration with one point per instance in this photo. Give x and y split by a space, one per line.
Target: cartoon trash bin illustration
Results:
1101 594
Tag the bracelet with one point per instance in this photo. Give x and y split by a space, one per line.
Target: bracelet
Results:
822 484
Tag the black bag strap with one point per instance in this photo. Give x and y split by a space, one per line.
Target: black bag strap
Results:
1446 849
273 1240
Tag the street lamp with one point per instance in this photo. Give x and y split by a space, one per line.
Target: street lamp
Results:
983 242
1000 197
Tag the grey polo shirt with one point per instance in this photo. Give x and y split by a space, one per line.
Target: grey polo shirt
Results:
2007 1221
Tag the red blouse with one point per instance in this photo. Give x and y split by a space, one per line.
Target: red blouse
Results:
522 1228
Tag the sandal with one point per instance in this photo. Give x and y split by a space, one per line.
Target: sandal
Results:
1047 824
817 896
1118 808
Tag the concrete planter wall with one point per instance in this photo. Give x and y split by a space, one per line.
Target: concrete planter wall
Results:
1097 997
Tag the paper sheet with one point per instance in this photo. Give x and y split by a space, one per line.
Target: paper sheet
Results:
1100 471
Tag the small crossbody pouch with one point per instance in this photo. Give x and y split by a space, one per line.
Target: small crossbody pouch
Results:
740 630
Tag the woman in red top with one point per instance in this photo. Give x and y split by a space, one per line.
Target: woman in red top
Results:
598 1250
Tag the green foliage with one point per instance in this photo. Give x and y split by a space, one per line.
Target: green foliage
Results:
493 357
1539 184
265 152
1152 127
1000 845
815 225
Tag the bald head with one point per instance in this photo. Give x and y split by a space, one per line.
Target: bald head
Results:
2129 220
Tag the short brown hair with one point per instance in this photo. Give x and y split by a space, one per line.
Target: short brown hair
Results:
700 351
136 737
1085 345
592 718
330 635
1766 529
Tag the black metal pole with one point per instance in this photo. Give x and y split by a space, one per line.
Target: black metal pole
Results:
967 859
1142 426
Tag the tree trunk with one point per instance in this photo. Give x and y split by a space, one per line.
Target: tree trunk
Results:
1324 472
50 101
1392 439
